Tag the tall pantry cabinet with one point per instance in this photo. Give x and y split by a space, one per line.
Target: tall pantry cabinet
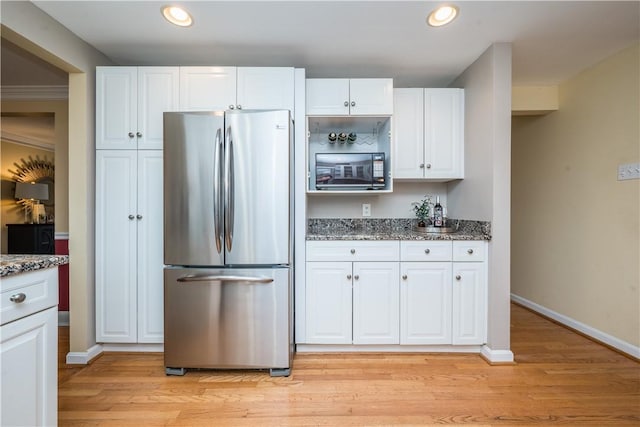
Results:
129 202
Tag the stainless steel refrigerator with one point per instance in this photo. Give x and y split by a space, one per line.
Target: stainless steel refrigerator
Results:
228 240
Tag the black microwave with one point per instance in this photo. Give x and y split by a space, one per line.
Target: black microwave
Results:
352 171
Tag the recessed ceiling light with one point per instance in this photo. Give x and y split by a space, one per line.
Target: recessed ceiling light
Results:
177 16
442 16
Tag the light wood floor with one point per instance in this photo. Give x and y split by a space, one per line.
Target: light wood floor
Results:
560 378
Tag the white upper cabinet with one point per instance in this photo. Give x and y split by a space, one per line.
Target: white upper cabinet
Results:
343 97
207 88
129 105
228 88
429 134
265 88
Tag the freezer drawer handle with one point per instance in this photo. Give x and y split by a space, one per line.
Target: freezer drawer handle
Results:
194 278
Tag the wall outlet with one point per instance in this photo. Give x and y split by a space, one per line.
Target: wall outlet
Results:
628 171
366 209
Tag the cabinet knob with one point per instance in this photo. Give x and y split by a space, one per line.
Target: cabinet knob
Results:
139 134
346 103
131 217
427 251
458 277
131 134
356 277
232 107
139 216
470 251
353 251
348 277
404 277
421 165
239 107
353 103
428 165
18 298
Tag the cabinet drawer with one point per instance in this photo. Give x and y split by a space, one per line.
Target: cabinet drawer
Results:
351 250
37 291
465 250
425 250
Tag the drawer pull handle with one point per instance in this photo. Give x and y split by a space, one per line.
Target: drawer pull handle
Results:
356 277
348 277
404 277
470 251
353 251
18 297
427 251
458 277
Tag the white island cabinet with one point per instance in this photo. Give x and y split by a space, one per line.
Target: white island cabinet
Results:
29 349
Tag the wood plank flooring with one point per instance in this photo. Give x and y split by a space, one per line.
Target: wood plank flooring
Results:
560 378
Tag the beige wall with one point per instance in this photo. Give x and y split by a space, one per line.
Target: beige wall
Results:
60 110
33 30
575 227
484 194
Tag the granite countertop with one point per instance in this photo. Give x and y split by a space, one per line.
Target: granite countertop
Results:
391 229
16 264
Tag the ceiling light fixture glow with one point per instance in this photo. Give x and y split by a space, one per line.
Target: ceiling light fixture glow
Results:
442 16
177 16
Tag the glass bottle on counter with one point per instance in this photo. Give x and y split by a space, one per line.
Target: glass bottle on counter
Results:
437 213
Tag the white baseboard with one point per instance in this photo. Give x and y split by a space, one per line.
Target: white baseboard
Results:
133 348
496 356
346 348
63 318
83 357
589 331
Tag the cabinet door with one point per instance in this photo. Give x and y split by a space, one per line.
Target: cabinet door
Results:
157 93
371 96
116 246
327 97
150 265
29 363
376 303
328 302
444 133
207 88
265 88
408 130
469 303
425 303
116 107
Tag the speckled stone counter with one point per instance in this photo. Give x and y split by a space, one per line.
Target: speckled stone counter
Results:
16 264
391 229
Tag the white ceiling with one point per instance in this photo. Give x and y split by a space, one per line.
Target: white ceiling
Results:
552 41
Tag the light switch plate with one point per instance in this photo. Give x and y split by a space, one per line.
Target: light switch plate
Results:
628 171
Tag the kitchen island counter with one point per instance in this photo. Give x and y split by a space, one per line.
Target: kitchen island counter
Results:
16 264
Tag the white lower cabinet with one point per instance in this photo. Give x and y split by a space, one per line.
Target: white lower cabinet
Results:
435 295
352 302
29 349
329 302
425 303
469 303
376 303
129 259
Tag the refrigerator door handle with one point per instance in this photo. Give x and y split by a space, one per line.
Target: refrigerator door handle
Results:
217 194
224 278
228 189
